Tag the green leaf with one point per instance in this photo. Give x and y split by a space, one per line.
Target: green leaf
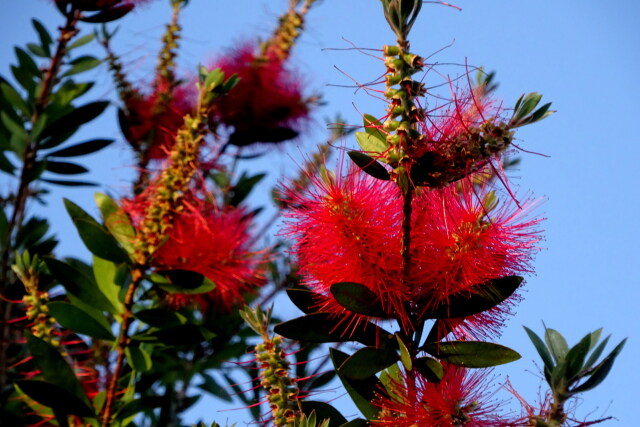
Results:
245 184
141 404
576 356
82 148
404 354
82 41
54 368
111 14
65 168
81 64
27 64
362 392
79 321
527 105
430 368
14 98
478 299
68 183
541 348
372 126
472 354
55 397
116 221
556 344
303 298
371 143
602 370
358 298
138 358
160 317
366 362
369 165
95 237
79 285
323 411
182 282
74 119
597 352
109 279
6 165
324 327
188 334
212 387
45 37
37 50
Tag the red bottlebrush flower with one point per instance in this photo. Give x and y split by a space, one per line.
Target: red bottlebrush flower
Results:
210 241
461 398
152 121
346 229
266 105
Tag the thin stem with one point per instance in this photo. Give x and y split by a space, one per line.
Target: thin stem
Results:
127 317
67 32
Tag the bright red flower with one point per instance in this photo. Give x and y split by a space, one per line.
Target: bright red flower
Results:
213 242
152 120
461 398
266 105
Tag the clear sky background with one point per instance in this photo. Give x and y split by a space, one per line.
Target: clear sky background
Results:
583 55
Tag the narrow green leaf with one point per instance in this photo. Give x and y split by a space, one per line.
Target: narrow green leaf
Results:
27 64
66 183
369 165
367 362
373 127
82 148
472 354
14 98
358 298
79 321
602 370
43 34
303 298
37 50
362 392
75 118
109 280
54 368
188 334
576 356
371 143
65 168
55 397
556 344
82 41
138 358
141 404
111 14
160 317
95 237
404 354
528 104
116 221
323 411
541 348
593 358
82 64
430 368
79 285
182 282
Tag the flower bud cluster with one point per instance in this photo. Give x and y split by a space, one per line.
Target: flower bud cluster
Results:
282 391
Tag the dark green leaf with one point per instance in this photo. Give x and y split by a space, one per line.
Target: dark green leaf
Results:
369 165
472 354
323 411
45 37
358 298
323 327
65 168
25 80
602 370
430 368
405 357
541 348
81 64
111 14
362 392
478 299
116 221
188 334
95 237
577 355
82 148
182 282
142 404
6 165
37 50
74 119
367 362
82 41
244 186
78 284
160 317
79 321
303 298
54 368
597 352
69 183
138 358
26 63
14 98
556 344
55 397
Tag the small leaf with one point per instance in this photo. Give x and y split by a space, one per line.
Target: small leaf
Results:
160 317
138 359
95 237
371 143
141 404
82 148
430 368
303 298
557 344
372 126
14 98
358 298
109 280
362 392
182 335
111 14
27 64
45 37
55 397
74 119
323 411
82 41
472 354
116 221
68 183
404 354
81 322
367 362
182 282
541 348
602 370
369 165
65 168
37 50
576 356
81 64
597 352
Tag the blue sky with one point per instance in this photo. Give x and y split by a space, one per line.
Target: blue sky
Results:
582 55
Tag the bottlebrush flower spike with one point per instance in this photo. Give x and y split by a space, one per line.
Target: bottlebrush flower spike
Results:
267 103
211 241
461 398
